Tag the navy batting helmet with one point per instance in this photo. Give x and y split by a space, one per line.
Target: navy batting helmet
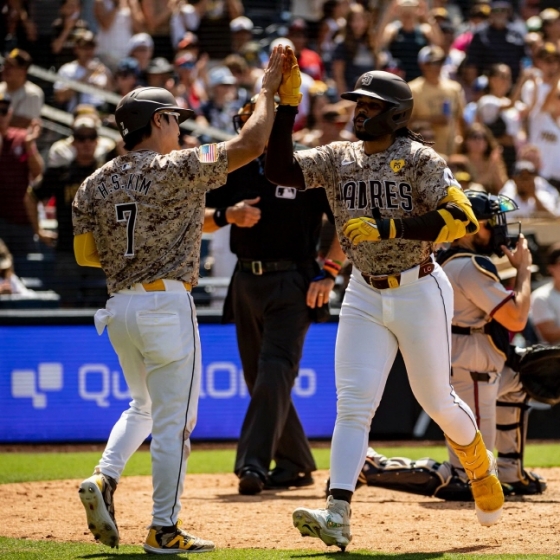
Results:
493 209
137 107
392 90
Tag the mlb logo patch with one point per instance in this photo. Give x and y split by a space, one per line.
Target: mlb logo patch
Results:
208 153
286 192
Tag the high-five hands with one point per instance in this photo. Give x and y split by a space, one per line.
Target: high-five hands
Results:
288 91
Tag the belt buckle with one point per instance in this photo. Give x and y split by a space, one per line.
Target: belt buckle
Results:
393 281
256 268
477 330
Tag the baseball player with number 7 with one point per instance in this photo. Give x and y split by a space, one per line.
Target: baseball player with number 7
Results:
392 197
140 218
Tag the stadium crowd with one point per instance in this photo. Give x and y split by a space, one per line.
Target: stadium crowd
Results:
485 78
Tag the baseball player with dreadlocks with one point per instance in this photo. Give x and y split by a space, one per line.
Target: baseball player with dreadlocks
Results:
140 218
484 364
392 198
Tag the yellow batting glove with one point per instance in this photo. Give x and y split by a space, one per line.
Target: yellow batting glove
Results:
363 229
291 80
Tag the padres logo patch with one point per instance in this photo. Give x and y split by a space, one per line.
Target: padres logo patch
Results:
208 153
397 165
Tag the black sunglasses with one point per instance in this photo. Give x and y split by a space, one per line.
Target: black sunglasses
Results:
85 137
4 111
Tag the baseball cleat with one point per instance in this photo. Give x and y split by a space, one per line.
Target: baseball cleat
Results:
331 525
174 540
96 494
488 495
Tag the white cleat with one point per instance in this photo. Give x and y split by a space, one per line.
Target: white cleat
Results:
331 525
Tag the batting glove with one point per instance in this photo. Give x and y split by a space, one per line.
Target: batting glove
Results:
363 229
291 80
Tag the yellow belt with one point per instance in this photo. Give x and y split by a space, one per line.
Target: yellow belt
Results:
159 286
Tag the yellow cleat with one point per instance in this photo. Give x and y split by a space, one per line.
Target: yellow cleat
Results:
481 468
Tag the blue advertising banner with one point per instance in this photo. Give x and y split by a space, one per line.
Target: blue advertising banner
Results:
64 383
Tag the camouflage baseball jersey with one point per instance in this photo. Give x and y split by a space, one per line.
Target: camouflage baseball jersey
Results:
406 180
477 293
146 212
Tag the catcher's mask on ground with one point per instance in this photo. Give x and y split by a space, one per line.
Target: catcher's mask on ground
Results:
391 89
493 209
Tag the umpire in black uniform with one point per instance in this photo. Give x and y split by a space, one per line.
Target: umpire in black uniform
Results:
276 291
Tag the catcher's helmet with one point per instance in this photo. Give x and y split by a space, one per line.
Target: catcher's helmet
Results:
391 89
493 208
244 113
136 108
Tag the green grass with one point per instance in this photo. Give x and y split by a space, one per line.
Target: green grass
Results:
19 467
25 467
14 549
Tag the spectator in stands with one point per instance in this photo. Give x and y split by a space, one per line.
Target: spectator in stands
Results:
157 15
545 301
406 27
330 26
26 98
437 100
20 163
478 14
127 75
189 90
497 41
42 14
241 29
534 196
10 283
64 30
354 54
330 127
503 115
75 284
309 60
184 20
19 28
63 152
213 31
223 102
550 19
118 21
141 47
87 69
160 73
484 158
539 80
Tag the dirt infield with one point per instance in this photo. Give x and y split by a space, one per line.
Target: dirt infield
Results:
382 520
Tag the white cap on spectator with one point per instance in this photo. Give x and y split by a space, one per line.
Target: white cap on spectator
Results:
281 41
140 40
431 53
488 108
221 75
241 23
85 121
408 3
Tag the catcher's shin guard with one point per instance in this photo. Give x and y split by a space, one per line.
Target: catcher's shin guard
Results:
480 466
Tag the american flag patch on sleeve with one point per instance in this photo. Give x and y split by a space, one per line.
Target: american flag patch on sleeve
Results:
208 153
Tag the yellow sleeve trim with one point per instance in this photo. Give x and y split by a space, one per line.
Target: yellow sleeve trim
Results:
85 250
456 196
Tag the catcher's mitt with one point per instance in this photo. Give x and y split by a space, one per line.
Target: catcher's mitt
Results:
539 373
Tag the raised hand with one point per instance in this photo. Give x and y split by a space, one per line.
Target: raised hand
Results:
291 80
273 71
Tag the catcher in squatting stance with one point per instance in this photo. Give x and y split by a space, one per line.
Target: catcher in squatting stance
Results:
392 197
496 379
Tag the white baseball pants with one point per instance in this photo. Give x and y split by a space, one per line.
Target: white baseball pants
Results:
155 336
373 325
